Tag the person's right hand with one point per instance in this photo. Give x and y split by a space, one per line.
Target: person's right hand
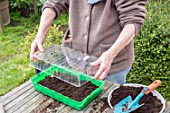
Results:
37 45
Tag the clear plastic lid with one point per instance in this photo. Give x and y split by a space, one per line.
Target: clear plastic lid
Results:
66 59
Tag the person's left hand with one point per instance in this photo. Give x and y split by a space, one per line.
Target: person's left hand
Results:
104 61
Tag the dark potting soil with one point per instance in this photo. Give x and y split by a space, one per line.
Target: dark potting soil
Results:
151 103
51 108
75 93
102 107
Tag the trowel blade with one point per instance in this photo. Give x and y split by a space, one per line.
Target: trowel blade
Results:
122 106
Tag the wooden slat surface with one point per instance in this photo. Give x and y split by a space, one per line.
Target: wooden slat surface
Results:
15 91
15 103
16 95
29 103
35 104
1 108
21 103
100 103
25 99
43 105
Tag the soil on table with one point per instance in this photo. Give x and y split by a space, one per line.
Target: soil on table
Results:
151 103
75 93
103 105
51 108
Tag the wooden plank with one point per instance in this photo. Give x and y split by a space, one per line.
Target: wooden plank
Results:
102 96
106 86
15 103
29 103
58 106
16 90
1 24
108 110
62 106
65 110
14 96
22 103
35 104
43 106
75 111
109 90
1 108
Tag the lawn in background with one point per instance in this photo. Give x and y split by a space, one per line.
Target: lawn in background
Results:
14 62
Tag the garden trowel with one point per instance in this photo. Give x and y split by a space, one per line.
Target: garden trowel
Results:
128 105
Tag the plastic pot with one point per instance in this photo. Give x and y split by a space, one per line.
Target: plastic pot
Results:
4 11
154 92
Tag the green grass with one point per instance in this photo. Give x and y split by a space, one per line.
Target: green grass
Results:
14 62
14 66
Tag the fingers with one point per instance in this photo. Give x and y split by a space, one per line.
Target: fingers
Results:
103 69
99 72
36 46
102 72
33 49
95 63
40 47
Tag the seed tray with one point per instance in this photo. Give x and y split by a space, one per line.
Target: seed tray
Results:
65 58
79 105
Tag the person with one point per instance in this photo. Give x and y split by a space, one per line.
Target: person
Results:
102 28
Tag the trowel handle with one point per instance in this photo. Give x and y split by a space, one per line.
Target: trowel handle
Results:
153 86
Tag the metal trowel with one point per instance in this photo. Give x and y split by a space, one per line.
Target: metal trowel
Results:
128 105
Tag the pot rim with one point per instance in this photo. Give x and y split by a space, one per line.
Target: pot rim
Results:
154 92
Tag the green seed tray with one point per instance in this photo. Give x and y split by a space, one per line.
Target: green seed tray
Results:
79 105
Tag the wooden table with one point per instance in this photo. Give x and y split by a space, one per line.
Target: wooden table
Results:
24 99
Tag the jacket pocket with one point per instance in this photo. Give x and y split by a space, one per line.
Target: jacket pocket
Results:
67 39
121 56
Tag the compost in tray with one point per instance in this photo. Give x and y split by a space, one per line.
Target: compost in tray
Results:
151 103
75 93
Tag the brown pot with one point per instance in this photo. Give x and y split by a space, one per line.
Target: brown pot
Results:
4 11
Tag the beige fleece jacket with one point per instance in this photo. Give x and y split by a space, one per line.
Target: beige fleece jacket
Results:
95 28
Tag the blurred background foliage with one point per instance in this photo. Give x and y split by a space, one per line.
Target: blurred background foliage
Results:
152 48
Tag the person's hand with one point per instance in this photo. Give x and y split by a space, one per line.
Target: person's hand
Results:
37 45
104 61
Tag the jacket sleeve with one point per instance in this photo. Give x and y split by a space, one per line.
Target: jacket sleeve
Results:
131 12
58 6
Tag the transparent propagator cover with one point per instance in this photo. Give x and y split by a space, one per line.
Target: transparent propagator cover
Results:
65 58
